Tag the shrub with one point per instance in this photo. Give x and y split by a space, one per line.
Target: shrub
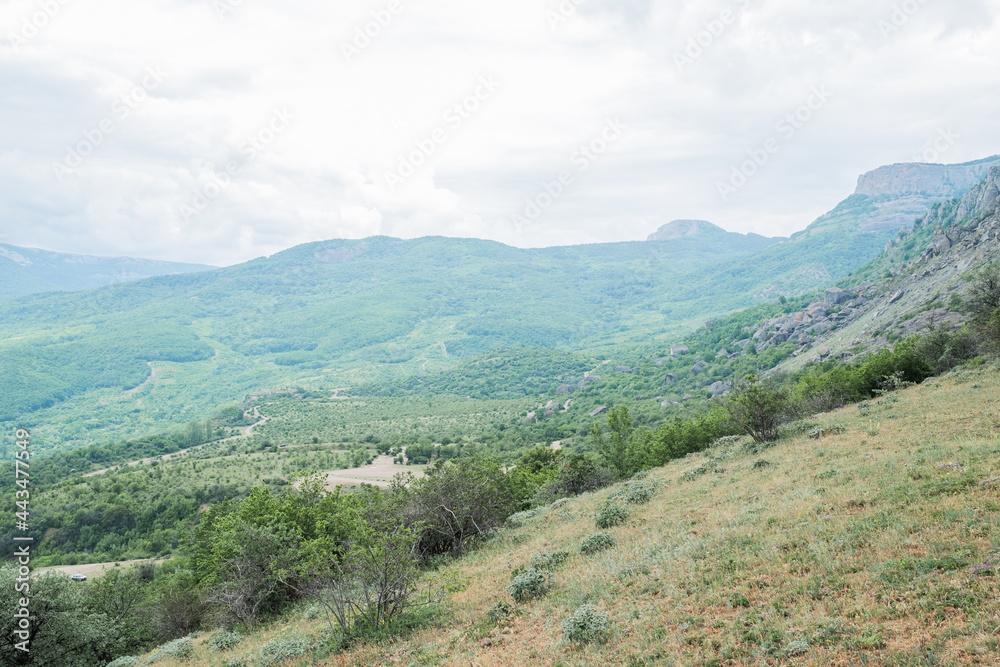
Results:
638 493
549 560
597 542
223 641
179 648
126 661
759 408
762 463
520 519
237 662
610 514
530 583
500 611
586 625
285 648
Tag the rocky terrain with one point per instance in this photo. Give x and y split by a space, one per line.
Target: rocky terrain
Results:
895 196
918 294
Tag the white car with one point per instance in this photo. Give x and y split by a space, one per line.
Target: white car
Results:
78 577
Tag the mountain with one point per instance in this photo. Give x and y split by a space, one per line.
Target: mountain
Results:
701 229
130 358
894 196
29 270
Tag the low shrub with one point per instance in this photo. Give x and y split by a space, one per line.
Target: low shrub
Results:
638 493
500 611
610 514
597 542
692 475
530 583
125 661
284 648
223 641
522 518
549 560
178 648
587 625
237 662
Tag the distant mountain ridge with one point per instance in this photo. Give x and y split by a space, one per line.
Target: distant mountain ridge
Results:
133 357
894 196
31 270
702 228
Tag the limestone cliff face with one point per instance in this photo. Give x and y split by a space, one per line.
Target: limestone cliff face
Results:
934 180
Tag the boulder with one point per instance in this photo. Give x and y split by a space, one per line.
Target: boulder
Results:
624 369
678 349
662 360
743 343
722 353
531 418
720 387
836 296
565 389
670 379
549 413
599 411
699 368
817 310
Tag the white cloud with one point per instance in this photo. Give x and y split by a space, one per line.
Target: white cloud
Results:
324 176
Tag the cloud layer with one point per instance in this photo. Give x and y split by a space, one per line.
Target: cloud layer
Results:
220 130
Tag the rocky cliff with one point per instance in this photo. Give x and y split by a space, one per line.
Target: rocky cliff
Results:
926 271
933 180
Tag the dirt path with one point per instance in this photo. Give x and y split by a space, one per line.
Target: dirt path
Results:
379 473
247 432
94 569
152 376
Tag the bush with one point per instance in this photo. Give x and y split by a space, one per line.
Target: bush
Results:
610 514
500 611
126 661
223 641
179 648
586 625
597 542
520 519
549 560
759 408
638 493
530 583
285 648
237 662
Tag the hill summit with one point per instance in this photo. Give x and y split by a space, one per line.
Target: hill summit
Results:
696 228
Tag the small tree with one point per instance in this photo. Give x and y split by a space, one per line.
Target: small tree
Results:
759 408
984 301
621 447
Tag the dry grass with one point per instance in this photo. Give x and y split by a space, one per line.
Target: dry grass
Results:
852 549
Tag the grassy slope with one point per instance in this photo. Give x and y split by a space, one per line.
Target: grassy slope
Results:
857 544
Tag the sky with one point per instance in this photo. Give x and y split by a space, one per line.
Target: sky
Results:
217 131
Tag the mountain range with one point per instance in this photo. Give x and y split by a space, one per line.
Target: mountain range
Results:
131 357
30 270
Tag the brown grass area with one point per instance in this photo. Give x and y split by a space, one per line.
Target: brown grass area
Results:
853 549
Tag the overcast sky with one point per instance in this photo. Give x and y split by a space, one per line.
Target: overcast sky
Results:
219 131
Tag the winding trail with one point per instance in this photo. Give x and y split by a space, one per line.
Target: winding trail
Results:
247 432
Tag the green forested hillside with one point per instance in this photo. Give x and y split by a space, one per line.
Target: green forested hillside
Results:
130 359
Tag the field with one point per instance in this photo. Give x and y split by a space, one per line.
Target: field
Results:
869 536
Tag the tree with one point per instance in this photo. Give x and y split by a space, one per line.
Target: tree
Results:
365 581
455 502
759 408
63 631
984 301
622 447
